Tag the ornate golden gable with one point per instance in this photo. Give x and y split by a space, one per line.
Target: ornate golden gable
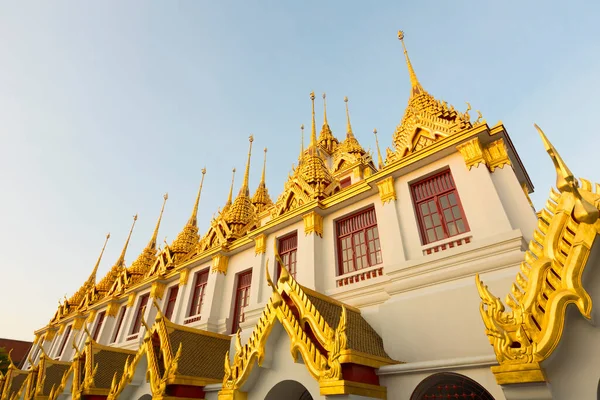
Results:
549 280
425 120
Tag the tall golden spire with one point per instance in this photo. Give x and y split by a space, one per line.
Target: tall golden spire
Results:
261 199
146 258
105 284
348 125
152 243
194 218
244 189
230 197
262 177
313 131
416 86
379 159
327 141
325 123
301 142
91 281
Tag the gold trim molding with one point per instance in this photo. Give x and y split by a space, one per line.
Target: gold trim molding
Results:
131 300
92 315
220 262
387 191
260 244
313 223
184 274
113 309
493 156
157 291
78 323
521 373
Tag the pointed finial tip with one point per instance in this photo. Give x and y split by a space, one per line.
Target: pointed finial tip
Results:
233 169
302 126
251 138
312 95
324 95
166 196
135 217
265 149
345 99
400 35
203 171
375 131
108 235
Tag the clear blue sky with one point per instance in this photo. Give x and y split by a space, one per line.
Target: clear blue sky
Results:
105 106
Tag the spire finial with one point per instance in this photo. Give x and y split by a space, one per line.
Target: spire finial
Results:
152 244
121 259
231 188
262 178
313 132
416 86
194 218
92 278
325 110
379 159
301 140
348 125
244 188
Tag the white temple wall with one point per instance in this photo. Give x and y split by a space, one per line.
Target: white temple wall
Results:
514 201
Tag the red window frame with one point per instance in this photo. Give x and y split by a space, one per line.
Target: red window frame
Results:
242 298
439 210
119 323
137 322
170 306
200 282
99 325
64 341
344 183
358 241
287 246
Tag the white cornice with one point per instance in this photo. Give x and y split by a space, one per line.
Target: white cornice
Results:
439 365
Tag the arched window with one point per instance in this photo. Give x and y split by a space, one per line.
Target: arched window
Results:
146 397
448 385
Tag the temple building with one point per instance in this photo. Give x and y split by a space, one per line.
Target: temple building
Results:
371 276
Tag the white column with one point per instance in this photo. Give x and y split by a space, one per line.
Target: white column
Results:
390 233
212 304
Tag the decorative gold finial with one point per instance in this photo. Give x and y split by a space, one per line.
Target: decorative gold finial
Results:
152 244
231 188
92 278
379 158
416 86
313 132
324 110
301 141
244 189
194 218
348 125
121 259
262 178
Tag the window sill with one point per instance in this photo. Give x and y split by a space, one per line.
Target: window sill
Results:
192 319
132 337
446 244
360 275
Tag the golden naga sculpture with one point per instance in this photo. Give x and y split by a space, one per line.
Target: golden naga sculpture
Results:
548 281
425 119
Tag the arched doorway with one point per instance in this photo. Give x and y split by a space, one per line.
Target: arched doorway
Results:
450 385
288 390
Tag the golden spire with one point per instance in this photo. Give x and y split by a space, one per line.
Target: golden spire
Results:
91 281
152 243
313 132
261 199
262 178
379 159
229 199
194 218
244 189
416 86
325 123
105 284
327 141
348 126
301 141
121 259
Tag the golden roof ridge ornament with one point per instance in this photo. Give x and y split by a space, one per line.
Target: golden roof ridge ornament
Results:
349 132
244 191
188 237
230 197
416 87
194 217
152 243
301 142
313 130
379 158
